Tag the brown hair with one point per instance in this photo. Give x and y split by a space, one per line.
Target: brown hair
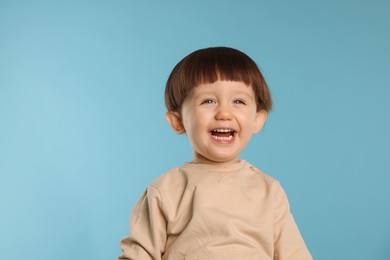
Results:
209 65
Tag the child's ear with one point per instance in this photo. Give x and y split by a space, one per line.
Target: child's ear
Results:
261 116
174 120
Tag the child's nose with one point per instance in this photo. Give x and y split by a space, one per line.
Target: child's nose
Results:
223 113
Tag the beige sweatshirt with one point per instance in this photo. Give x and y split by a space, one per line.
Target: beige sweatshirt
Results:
213 212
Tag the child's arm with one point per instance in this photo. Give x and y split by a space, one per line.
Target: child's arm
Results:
147 229
288 240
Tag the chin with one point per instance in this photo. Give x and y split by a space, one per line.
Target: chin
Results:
225 159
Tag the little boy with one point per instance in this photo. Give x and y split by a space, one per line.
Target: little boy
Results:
216 207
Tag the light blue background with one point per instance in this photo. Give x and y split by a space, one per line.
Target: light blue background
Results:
82 128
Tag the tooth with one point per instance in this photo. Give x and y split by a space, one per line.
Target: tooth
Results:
223 130
223 138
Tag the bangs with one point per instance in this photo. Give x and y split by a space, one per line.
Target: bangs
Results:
225 64
210 65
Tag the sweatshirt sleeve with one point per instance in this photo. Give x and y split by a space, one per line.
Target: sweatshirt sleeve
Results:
288 241
147 229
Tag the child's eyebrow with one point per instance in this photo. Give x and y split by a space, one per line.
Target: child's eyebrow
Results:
203 93
245 93
209 92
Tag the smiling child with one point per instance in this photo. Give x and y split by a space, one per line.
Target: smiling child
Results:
216 207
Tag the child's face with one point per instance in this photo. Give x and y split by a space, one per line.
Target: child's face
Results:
219 119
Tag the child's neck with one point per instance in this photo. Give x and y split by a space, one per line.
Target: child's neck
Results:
203 160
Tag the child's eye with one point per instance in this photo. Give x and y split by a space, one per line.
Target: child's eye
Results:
239 101
208 101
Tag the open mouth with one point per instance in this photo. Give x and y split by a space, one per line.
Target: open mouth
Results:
223 134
